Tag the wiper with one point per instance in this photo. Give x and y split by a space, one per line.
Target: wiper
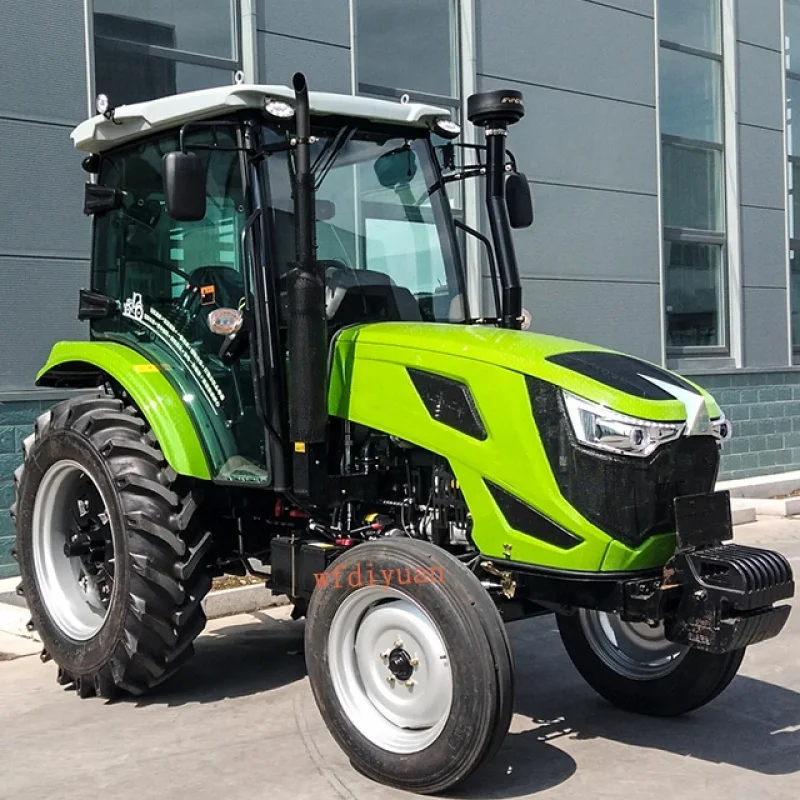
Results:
322 166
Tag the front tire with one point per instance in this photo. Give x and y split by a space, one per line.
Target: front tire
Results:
409 664
112 570
635 667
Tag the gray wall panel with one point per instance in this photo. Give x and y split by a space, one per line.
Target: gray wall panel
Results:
624 316
38 305
569 44
42 60
41 203
760 87
765 328
581 140
763 247
759 22
581 233
327 67
327 21
761 167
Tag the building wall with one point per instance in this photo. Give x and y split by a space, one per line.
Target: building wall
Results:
588 144
44 236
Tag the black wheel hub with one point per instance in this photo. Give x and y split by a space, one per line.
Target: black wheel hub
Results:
400 664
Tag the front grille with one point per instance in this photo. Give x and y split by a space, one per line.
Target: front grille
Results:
629 498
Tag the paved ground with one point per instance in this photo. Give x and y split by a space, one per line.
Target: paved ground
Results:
240 722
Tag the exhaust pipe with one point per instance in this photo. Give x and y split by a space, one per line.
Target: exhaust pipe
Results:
308 379
494 111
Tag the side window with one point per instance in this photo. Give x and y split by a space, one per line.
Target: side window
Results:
170 277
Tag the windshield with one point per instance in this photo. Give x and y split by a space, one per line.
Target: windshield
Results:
384 239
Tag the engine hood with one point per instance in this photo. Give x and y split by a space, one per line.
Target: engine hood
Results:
622 383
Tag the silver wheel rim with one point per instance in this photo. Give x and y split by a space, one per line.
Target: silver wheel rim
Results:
75 589
634 650
377 635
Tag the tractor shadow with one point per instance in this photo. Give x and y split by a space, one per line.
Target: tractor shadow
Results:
753 725
238 661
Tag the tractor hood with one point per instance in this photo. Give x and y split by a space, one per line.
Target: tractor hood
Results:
619 382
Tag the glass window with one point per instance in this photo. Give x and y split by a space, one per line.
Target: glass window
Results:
692 23
206 27
793 116
408 45
792 31
794 267
693 294
690 90
692 187
382 241
794 200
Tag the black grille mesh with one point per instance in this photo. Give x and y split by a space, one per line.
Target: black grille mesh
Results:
629 498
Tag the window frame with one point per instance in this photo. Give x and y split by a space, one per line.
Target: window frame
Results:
173 54
701 236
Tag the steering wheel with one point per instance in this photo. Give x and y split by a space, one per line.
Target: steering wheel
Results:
339 277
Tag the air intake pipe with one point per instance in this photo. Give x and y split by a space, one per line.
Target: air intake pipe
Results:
308 406
494 111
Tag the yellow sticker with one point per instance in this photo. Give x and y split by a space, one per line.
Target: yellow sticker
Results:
299 447
145 368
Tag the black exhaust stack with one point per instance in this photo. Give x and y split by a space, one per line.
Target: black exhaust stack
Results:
308 379
494 112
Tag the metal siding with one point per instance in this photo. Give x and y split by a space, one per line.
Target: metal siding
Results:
582 140
38 306
765 327
43 192
582 233
42 61
762 167
327 67
764 248
759 22
623 316
323 21
760 87
569 44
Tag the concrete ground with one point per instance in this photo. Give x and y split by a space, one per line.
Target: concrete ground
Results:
240 722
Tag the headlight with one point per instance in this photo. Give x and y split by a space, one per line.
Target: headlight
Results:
603 429
722 428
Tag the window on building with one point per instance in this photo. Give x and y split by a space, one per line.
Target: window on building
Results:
154 48
691 109
407 47
792 61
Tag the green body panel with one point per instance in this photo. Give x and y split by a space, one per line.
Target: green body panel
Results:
370 385
161 405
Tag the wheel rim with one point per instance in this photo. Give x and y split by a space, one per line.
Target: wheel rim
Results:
634 650
390 669
73 550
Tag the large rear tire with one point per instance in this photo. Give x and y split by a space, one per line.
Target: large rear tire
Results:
636 668
410 664
112 570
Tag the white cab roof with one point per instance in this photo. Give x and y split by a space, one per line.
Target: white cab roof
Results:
140 119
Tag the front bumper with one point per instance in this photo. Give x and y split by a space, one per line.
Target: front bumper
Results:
711 595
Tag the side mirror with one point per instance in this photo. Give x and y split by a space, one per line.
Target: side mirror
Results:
396 168
519 200
184 186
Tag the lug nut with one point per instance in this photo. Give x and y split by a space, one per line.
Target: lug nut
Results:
414 662
390 679
410 683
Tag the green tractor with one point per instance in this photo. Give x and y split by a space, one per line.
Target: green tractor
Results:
285 378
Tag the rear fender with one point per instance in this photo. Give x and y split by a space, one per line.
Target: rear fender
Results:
86 364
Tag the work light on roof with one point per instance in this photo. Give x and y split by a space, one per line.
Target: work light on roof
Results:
278 108
446 128
101 104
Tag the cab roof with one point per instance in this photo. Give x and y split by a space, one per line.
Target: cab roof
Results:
141 119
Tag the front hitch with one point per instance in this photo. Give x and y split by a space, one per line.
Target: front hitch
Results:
712 596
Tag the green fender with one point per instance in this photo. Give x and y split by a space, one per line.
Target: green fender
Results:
155 396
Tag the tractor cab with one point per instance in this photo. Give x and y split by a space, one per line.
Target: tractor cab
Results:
199 207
